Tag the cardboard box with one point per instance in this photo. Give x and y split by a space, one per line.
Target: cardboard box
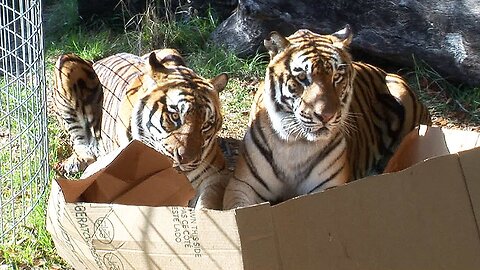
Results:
424 217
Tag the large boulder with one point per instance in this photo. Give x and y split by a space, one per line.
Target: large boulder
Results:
443 33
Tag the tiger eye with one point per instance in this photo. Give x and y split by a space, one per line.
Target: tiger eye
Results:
302 76
336 76
207 124
175 116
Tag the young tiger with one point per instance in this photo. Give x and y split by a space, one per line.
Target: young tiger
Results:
154 98
319 120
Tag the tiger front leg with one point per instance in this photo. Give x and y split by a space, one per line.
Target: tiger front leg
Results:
85 141
73 165
85 152
248 186
211 191
239 193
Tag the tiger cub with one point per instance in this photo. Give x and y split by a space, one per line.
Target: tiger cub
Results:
153 98
319 120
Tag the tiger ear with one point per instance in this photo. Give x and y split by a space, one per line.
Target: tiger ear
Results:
219 82
344 36
275 43
155 65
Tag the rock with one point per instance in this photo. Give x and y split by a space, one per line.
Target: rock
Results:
443 33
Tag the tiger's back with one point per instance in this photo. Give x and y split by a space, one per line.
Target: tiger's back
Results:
116 73
383 110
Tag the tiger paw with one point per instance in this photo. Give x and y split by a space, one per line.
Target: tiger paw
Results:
73 166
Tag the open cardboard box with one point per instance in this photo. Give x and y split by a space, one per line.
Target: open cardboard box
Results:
424 217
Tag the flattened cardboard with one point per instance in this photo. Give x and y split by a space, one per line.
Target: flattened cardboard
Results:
422 217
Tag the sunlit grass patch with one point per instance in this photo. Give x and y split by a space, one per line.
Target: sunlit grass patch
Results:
450 104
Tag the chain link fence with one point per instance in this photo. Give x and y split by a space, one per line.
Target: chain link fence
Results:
23 121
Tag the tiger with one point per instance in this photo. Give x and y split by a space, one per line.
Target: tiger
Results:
319 120
154 98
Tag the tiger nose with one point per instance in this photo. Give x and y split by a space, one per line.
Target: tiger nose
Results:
180 154
325 116
184 156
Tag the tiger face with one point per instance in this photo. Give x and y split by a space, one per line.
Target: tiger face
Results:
310 80
179 114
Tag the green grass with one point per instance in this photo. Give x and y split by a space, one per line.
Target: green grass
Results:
28 243
447 102
87 45
60 17
213 60
33 245
20 184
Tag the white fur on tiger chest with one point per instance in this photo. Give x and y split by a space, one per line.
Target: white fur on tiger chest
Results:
295 167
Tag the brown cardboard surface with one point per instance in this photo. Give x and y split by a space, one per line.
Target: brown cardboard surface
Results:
422 217
68 242
139 175
425 142
115 236
469 160
418 145
459 140
259 239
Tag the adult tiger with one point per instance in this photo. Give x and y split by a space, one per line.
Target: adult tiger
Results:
155 99
319 120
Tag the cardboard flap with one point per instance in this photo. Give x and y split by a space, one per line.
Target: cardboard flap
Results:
425 142
380 222
470 162
167 193
421 143
72 190
460 140
136 162
139 175
259 242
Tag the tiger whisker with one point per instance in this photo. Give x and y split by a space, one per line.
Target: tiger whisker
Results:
348 126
